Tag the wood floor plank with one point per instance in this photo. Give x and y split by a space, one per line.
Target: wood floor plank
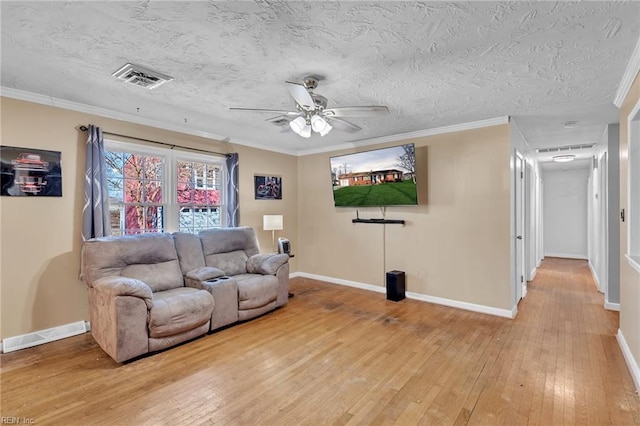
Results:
344 356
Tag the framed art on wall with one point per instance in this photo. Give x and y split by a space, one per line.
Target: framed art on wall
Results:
267 187
30 172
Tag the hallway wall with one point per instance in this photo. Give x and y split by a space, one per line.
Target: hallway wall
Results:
565 213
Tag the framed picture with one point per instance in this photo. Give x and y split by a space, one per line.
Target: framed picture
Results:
267 187
28 172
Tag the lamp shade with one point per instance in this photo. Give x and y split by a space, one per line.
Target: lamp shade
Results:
306 131
326 130
298 124
272 222
320 125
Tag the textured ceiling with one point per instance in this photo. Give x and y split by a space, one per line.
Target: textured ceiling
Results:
433 64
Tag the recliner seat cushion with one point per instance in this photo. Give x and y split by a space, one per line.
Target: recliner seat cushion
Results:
255 291
178 310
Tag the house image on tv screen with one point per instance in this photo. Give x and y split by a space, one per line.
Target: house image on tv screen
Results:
370 178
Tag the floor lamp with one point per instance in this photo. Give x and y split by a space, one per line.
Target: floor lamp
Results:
273 223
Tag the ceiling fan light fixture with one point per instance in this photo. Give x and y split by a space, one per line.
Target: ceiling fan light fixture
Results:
298 125
326 129
306 131
318 123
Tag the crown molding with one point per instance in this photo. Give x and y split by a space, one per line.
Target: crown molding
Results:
131 118
633 67
107 113
410 135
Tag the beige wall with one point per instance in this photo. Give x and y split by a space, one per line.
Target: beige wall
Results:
455 245
40 237
629 277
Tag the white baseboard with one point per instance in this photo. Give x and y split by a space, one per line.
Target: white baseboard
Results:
595 277
634 368
505 313
340 281
611 306
533 274
567 255
28 340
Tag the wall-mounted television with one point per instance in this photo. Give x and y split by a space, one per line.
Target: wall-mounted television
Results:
379 177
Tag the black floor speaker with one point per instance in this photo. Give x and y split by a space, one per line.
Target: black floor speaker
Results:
395 285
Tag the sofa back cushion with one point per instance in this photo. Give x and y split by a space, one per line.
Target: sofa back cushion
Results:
189 251
229 248
150 258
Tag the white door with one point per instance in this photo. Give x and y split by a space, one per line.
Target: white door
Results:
519 227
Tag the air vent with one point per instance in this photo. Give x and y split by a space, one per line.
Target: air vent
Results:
11 344
566 148
141 76
280 121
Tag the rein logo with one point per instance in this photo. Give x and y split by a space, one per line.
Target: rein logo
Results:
12 420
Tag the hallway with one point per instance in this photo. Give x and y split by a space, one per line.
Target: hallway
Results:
564 349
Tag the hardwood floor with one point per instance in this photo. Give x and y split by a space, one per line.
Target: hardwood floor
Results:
338 355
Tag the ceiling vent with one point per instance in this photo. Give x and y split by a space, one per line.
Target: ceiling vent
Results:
141 76
279 121
566 148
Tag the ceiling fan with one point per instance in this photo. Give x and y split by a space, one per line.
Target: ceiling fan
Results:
312 113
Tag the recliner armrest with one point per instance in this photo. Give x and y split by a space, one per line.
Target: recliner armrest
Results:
123 286
266 264
205 273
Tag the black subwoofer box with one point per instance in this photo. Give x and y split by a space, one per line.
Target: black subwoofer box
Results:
395 285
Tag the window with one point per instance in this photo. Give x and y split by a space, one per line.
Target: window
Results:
198 195
136 201
156 190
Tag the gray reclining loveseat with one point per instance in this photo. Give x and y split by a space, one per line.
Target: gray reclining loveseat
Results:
148 292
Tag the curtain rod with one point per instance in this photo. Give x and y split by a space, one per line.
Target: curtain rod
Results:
85 128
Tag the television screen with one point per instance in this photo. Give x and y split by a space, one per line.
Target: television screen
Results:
380 177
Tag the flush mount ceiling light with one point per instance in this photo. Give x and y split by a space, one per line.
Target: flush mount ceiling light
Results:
570 124
564 158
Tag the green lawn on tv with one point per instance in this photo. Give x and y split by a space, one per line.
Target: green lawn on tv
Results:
386 194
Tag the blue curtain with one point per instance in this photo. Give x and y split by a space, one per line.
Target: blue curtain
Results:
95 211
232 193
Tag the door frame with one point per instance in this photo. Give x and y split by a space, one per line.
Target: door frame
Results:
518 235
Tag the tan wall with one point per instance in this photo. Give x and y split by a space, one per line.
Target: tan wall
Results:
456 245
40 237
629 277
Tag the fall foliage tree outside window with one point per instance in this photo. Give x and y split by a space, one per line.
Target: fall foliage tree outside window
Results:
151 192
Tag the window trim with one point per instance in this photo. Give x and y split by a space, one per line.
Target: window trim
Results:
171 208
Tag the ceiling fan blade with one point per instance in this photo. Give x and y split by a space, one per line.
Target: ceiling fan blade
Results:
273 111
344 125
301 95
357 111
